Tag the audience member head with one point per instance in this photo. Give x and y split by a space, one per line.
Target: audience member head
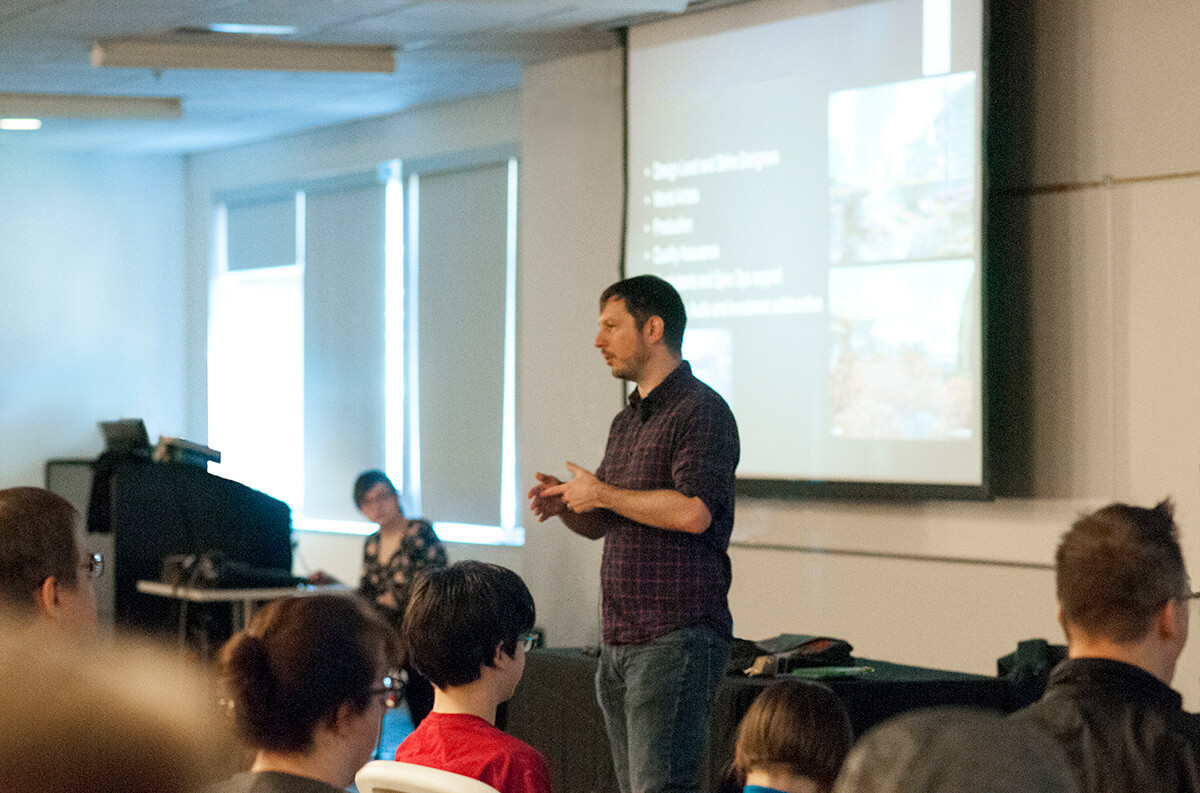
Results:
955 750
377 498
465 618
1123 588
83 715
648 296
793 738
305 682
41 568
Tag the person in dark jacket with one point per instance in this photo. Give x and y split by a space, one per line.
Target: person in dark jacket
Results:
1124 597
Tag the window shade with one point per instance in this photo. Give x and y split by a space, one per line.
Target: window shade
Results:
343 344
461 285
261 234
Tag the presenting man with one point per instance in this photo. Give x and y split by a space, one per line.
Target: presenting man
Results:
1123 601
663 500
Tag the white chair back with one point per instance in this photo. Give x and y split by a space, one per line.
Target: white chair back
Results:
389 776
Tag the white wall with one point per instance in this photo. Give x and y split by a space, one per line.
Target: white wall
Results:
570 238
91 303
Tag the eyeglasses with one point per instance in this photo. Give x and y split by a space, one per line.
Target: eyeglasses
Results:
94 565
391 687
528 640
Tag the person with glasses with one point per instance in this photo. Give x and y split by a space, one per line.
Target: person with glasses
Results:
467 629
1123 601
392 557
43 572
307 683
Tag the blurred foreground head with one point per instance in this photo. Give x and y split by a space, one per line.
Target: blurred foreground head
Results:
955 750
104 715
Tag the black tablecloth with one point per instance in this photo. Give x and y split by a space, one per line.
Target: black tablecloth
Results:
554 709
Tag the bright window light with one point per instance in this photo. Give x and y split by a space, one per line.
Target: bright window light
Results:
20 123
256 374
936 34
395 318
253 30
412 490
474 534
508 445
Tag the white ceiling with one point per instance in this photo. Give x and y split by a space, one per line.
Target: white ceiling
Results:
445 49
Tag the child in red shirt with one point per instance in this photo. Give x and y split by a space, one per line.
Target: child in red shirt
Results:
466 628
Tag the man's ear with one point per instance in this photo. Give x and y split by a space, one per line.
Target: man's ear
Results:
652 331
1166 621
339 721
46 596
1062 624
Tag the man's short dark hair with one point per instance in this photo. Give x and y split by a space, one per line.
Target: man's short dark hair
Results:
37 541
1117 567
367 480
648 296
457 616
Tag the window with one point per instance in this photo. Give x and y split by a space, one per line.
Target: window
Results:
386 341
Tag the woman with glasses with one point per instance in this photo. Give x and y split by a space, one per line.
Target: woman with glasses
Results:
393 557
307 685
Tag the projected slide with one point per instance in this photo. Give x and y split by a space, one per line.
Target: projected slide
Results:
807 174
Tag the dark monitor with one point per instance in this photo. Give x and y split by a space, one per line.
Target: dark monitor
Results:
167 509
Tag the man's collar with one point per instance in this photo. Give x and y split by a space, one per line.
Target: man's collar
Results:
647 405
1134 680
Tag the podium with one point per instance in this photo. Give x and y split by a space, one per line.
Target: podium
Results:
140 512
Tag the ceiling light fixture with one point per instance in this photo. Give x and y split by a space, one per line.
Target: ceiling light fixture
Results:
217 51
20 123
90 106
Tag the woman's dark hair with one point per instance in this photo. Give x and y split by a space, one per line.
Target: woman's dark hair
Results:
457 616
367 480
298 661
797 726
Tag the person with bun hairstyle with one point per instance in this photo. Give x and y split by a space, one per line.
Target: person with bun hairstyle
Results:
793 739
307 685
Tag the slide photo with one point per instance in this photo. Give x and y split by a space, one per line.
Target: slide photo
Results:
901 171
900 365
